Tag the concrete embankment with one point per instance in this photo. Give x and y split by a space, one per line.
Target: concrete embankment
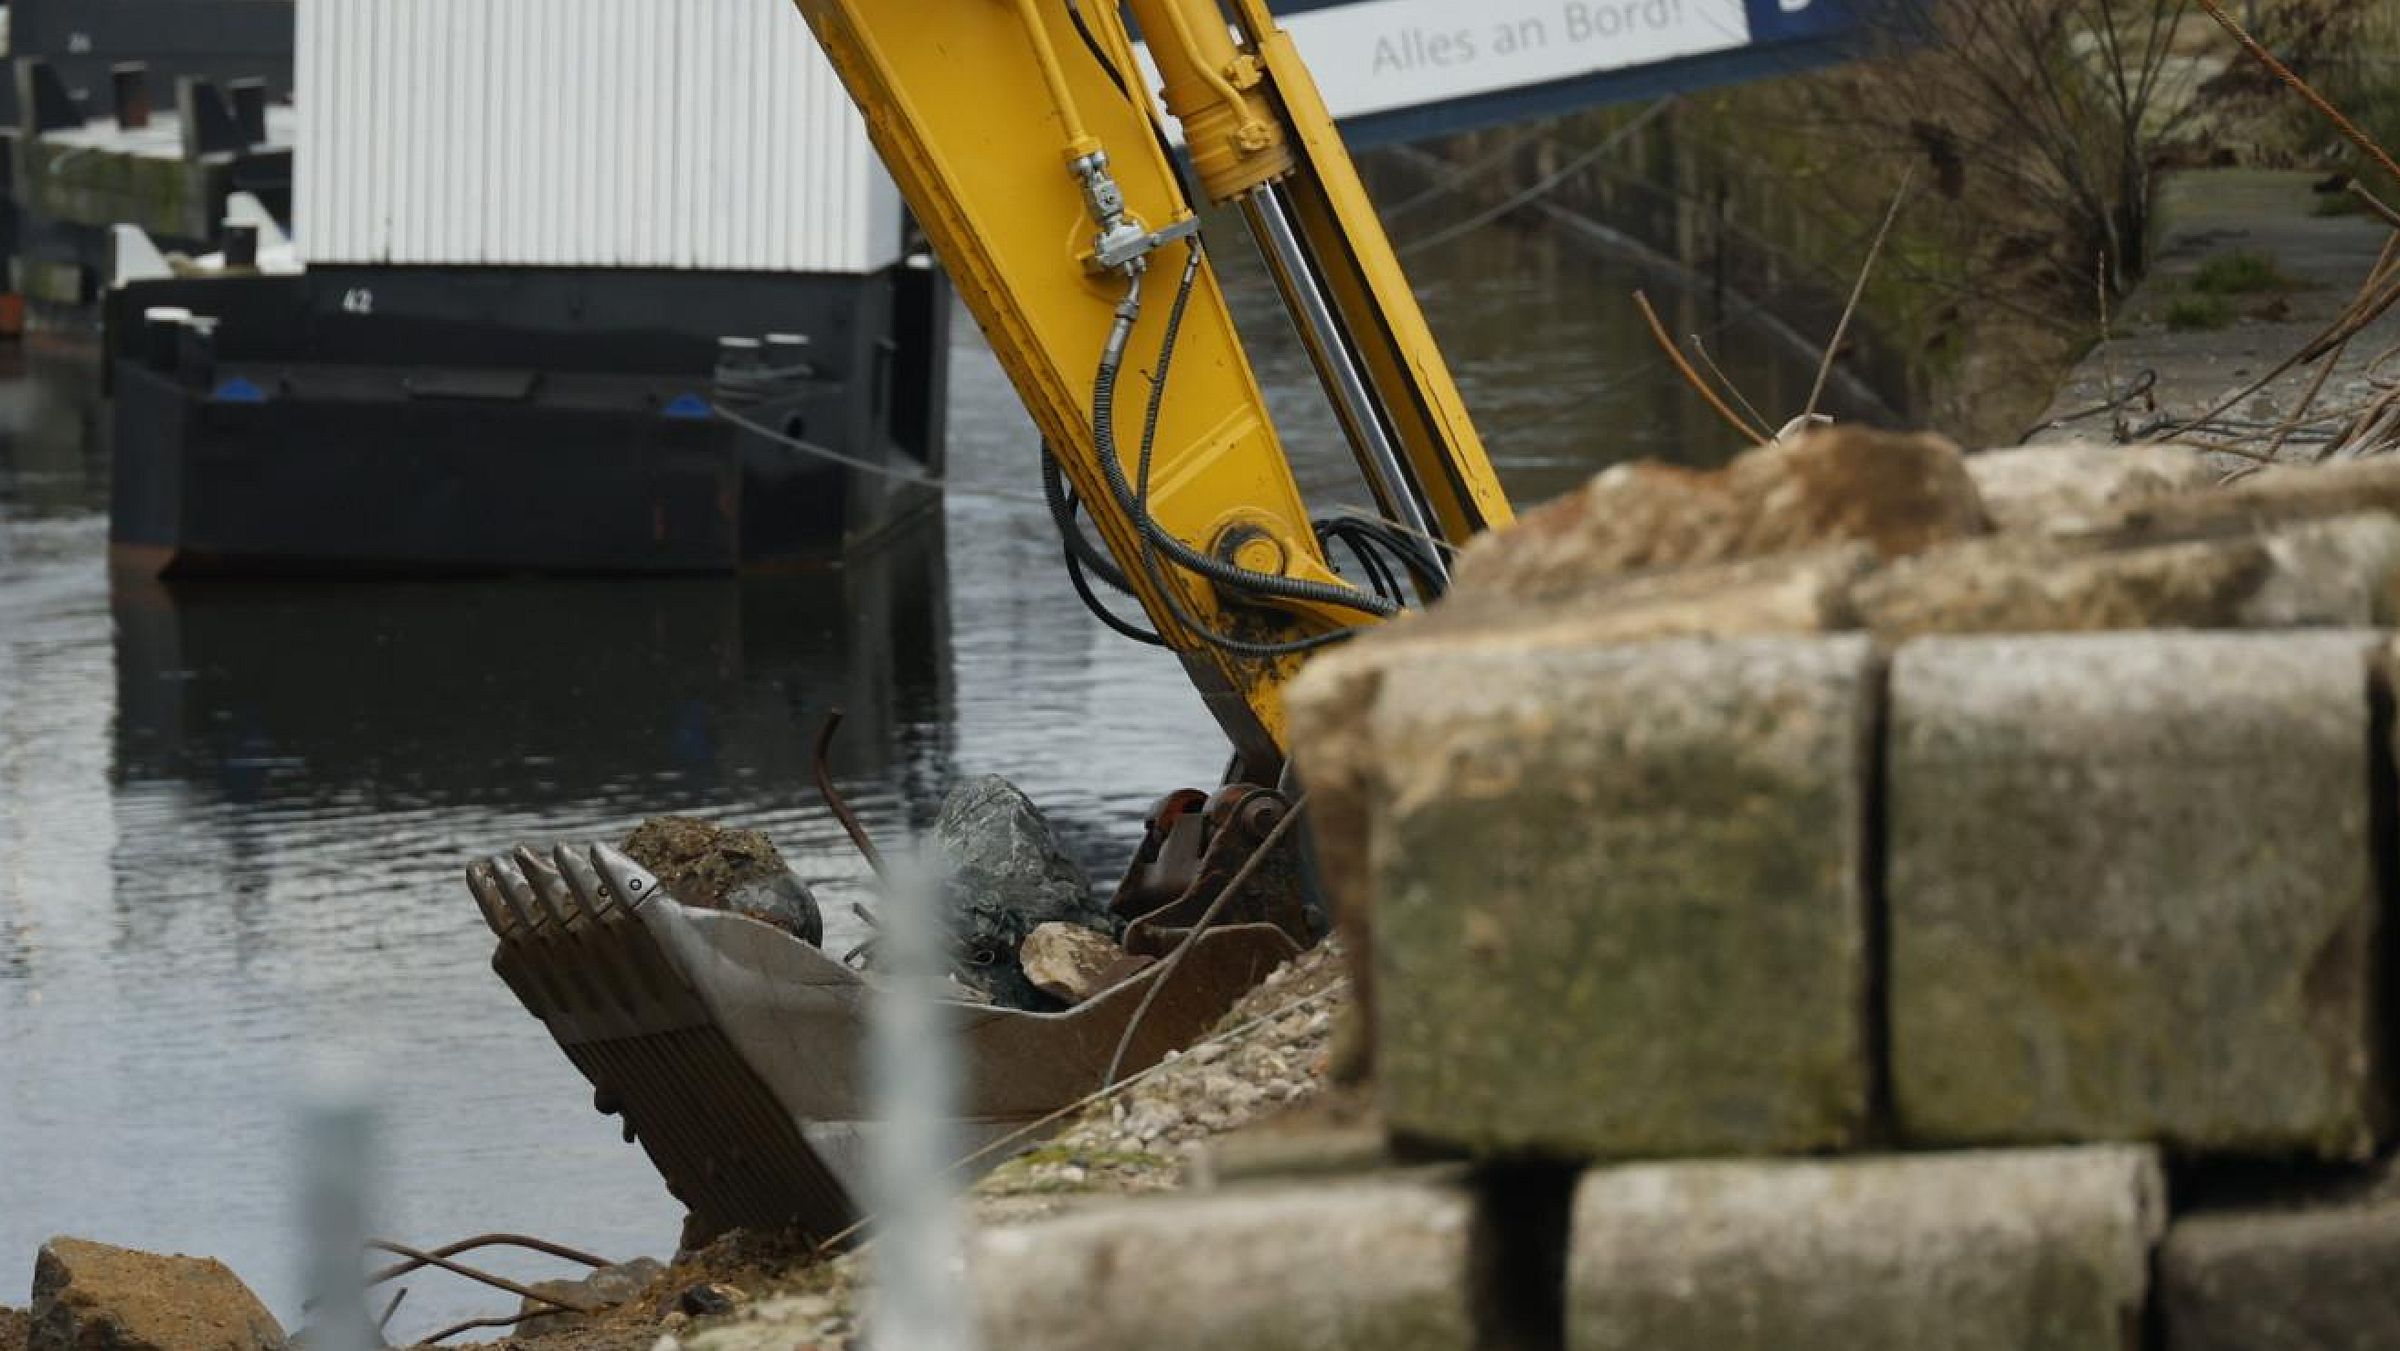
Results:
1819 917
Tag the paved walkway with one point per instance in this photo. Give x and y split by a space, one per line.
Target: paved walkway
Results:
2213 215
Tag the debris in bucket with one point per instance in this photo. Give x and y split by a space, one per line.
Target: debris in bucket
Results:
1072 963
714 867
1007 877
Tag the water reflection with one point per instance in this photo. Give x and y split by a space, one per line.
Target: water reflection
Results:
532 694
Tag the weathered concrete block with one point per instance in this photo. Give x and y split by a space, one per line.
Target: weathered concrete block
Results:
2131 890
90 1295
2337 571
2033 1250
1618 905
2065 484
1331 703
1383 1265
1898 494
2324 1279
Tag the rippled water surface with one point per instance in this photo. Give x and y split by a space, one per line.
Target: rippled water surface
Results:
232 817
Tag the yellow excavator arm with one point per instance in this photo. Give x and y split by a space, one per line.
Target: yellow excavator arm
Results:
1026 141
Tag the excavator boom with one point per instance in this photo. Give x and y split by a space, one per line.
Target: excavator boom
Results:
1024 137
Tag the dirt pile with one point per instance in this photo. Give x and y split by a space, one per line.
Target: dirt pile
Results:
714 867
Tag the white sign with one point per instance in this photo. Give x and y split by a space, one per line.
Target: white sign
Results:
1385 54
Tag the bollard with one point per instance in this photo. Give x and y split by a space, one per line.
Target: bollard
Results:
129 91
919 1298
337 1137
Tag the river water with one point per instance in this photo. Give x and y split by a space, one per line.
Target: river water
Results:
232 818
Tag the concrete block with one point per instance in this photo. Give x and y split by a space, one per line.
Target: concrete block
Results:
2132 890
2029 1250
1330 705
2323 1279
1618 903
1381 1265
2335 571
2064 485
1897 494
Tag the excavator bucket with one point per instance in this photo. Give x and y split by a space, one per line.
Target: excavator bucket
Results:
735 1052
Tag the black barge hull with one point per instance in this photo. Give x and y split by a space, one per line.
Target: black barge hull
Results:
348 422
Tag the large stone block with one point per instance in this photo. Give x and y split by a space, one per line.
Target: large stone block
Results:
2319 1279
2132 890
2335 571
2032 1250
2069 484
89 1296
1897 494
1331 703
1618 904
1381 1265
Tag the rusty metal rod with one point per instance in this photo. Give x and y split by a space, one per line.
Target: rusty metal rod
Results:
833 796
492 1279
539 1245
385 1322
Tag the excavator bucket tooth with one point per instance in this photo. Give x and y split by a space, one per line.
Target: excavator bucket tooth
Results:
486 888
735 1052
549 889
625 877
518 895
591 893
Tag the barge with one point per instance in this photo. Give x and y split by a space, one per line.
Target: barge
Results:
623 302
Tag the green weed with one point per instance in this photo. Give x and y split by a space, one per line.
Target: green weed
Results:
2197 313
2239 273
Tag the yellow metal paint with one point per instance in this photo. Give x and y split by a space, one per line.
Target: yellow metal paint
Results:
1367 285
1212 89
971 112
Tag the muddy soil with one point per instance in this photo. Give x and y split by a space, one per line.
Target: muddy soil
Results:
700 862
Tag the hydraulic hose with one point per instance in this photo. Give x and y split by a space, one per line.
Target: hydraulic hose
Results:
1062 512
1104 388
1136 503
1081 555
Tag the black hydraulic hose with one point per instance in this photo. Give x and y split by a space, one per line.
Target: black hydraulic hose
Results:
1091 43
1099 608
1111 359
1104 388
1063 507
